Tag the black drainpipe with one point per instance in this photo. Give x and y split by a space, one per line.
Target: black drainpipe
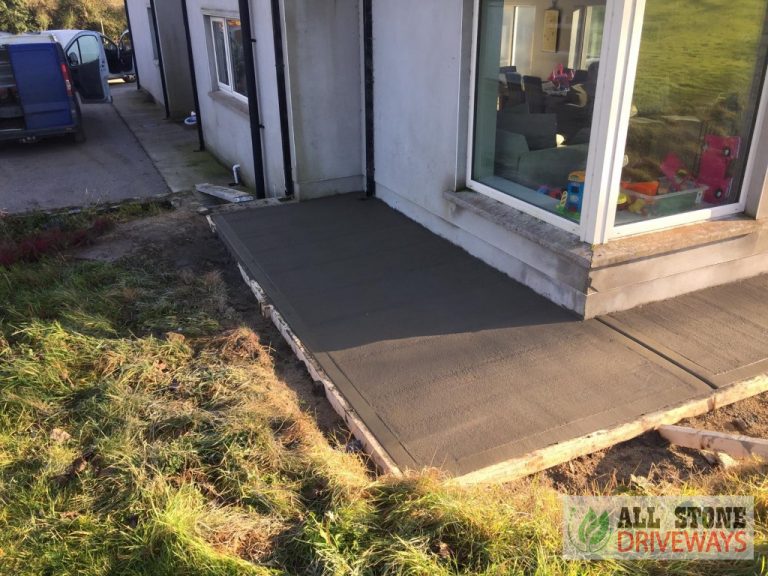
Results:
282 97
193 75
370 164
156 39
253 97
133 52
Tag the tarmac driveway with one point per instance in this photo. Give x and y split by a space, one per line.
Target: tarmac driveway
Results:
57 173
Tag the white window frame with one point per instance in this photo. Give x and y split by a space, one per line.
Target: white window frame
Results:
227 88
622 34
579 26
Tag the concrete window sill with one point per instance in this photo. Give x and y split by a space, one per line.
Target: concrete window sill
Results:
675 240
622 251
229 101
537 231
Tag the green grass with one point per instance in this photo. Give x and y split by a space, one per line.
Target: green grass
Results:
186 455
696 51
701 59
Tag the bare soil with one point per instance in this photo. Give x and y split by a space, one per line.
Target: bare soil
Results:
182 239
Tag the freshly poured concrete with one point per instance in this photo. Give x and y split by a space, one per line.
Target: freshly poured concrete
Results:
719 334
447 361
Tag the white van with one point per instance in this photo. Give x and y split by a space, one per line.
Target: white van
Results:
94 59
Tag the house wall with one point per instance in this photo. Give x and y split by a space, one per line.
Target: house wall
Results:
225 119
173 45
325 90
421 131
148 67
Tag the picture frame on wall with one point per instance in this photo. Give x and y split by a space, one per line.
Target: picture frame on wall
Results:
551 30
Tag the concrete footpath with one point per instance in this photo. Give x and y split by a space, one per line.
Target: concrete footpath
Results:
443 361
172 147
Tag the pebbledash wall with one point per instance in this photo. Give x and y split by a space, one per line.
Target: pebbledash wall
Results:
422 54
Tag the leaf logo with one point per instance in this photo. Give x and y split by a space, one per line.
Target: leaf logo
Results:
594 533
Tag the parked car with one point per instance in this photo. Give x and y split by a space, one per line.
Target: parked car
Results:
37 93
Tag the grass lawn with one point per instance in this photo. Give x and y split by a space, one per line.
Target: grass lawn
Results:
145 431
701 60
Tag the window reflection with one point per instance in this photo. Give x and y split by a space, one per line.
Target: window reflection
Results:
699 80
533 114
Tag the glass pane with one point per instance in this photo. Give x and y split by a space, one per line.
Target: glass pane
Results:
89 49
525 24
593 35
238 58
532 129
220 50
699 81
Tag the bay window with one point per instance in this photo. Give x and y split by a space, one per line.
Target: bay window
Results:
643 117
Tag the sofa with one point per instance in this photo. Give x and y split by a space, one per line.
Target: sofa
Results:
550 166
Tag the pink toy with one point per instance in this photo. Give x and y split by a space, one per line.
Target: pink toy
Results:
718 154
561 77
675 171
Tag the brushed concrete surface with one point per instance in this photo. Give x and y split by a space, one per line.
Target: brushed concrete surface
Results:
449 362
55 173
719 334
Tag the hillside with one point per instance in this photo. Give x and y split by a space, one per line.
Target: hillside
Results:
29 15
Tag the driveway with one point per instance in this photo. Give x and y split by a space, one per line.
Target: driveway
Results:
56 173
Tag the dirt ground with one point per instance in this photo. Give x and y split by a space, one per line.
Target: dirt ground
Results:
182 239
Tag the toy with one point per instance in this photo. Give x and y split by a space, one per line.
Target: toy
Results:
624 201
644 188
637 207
555 193
716 159
675 171
575 196
561 77
577 176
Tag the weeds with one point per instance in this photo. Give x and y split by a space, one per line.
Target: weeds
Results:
143 432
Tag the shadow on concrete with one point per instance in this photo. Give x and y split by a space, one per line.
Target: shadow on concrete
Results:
449 362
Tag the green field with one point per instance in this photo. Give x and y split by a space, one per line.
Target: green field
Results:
702 61
694 52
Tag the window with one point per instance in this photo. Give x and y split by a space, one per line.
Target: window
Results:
695 102
586 36
517 37
229 57
531 131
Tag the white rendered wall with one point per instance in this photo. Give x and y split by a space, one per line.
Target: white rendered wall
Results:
146 64
173 45
225 120
421 131
325 89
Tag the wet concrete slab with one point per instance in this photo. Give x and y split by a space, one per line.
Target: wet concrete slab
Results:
449 362
719 334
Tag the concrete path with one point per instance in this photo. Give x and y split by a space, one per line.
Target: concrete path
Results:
173 147
55 173
448 362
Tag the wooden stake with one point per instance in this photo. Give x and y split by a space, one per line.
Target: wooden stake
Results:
739 447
